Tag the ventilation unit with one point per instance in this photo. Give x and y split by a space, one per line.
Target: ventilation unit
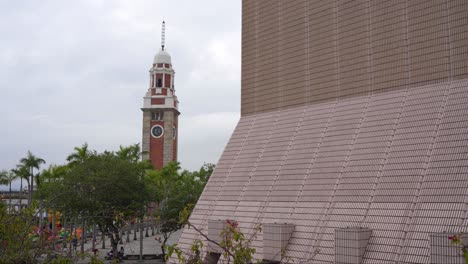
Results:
275 239
215 227
350 244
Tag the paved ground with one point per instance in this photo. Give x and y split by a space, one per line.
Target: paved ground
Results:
150 246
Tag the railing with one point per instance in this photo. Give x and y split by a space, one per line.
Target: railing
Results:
14 194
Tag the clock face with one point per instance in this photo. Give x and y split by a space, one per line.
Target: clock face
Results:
157 131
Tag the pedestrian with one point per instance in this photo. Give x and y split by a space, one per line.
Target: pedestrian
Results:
110 255
121 253
74 243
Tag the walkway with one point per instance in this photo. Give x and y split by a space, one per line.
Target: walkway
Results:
151 246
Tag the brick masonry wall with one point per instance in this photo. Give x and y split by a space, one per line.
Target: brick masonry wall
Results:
157 146
165 148
145 145
170 118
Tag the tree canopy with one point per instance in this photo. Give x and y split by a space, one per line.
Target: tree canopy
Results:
105 188
175 191
108 189
31 162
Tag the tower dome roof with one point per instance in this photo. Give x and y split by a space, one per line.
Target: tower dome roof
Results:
162 57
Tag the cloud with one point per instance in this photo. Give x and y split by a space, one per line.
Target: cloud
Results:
76 71
198 132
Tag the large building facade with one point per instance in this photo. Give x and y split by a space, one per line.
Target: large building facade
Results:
160 112
353 141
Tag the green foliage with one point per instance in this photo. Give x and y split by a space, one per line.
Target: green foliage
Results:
103 186
236 247
31 162
174 192
95 260
80 155
174 249
22 173
16 245
61 260
3 208
106 189
54 173
132 154
456 240
3 177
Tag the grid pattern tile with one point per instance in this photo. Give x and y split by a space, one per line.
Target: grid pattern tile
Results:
307 51
443 251
354 114
394 162
351 244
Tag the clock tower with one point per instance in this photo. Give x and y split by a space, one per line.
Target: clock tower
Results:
160 111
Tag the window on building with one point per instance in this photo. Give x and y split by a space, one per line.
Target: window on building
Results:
157 115
159 83
174 132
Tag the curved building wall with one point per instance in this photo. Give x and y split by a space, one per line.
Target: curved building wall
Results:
354 114
308 51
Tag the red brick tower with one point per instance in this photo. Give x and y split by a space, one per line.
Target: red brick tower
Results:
160 111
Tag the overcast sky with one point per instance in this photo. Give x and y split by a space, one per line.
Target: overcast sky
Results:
76 71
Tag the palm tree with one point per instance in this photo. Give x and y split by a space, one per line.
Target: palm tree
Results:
31 162
3 177
22 173
130 153
7 177
54 173
80 155
3 180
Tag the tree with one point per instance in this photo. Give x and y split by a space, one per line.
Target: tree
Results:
31 162
163 185
6 178
80 155
130 153
235 246
173 191
3 177
53 174
16 244
22 173
104 189
204 174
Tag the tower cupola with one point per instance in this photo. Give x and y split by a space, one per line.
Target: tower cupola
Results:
162 57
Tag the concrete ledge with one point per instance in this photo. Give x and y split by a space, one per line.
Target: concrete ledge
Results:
145 257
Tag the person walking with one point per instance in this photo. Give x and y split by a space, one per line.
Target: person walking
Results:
74 243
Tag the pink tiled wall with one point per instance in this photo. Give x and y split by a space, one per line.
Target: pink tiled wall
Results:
392 162
354 113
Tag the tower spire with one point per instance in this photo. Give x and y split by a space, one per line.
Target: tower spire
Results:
163 35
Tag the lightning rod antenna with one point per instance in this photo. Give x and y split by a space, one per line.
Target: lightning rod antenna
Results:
163 35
